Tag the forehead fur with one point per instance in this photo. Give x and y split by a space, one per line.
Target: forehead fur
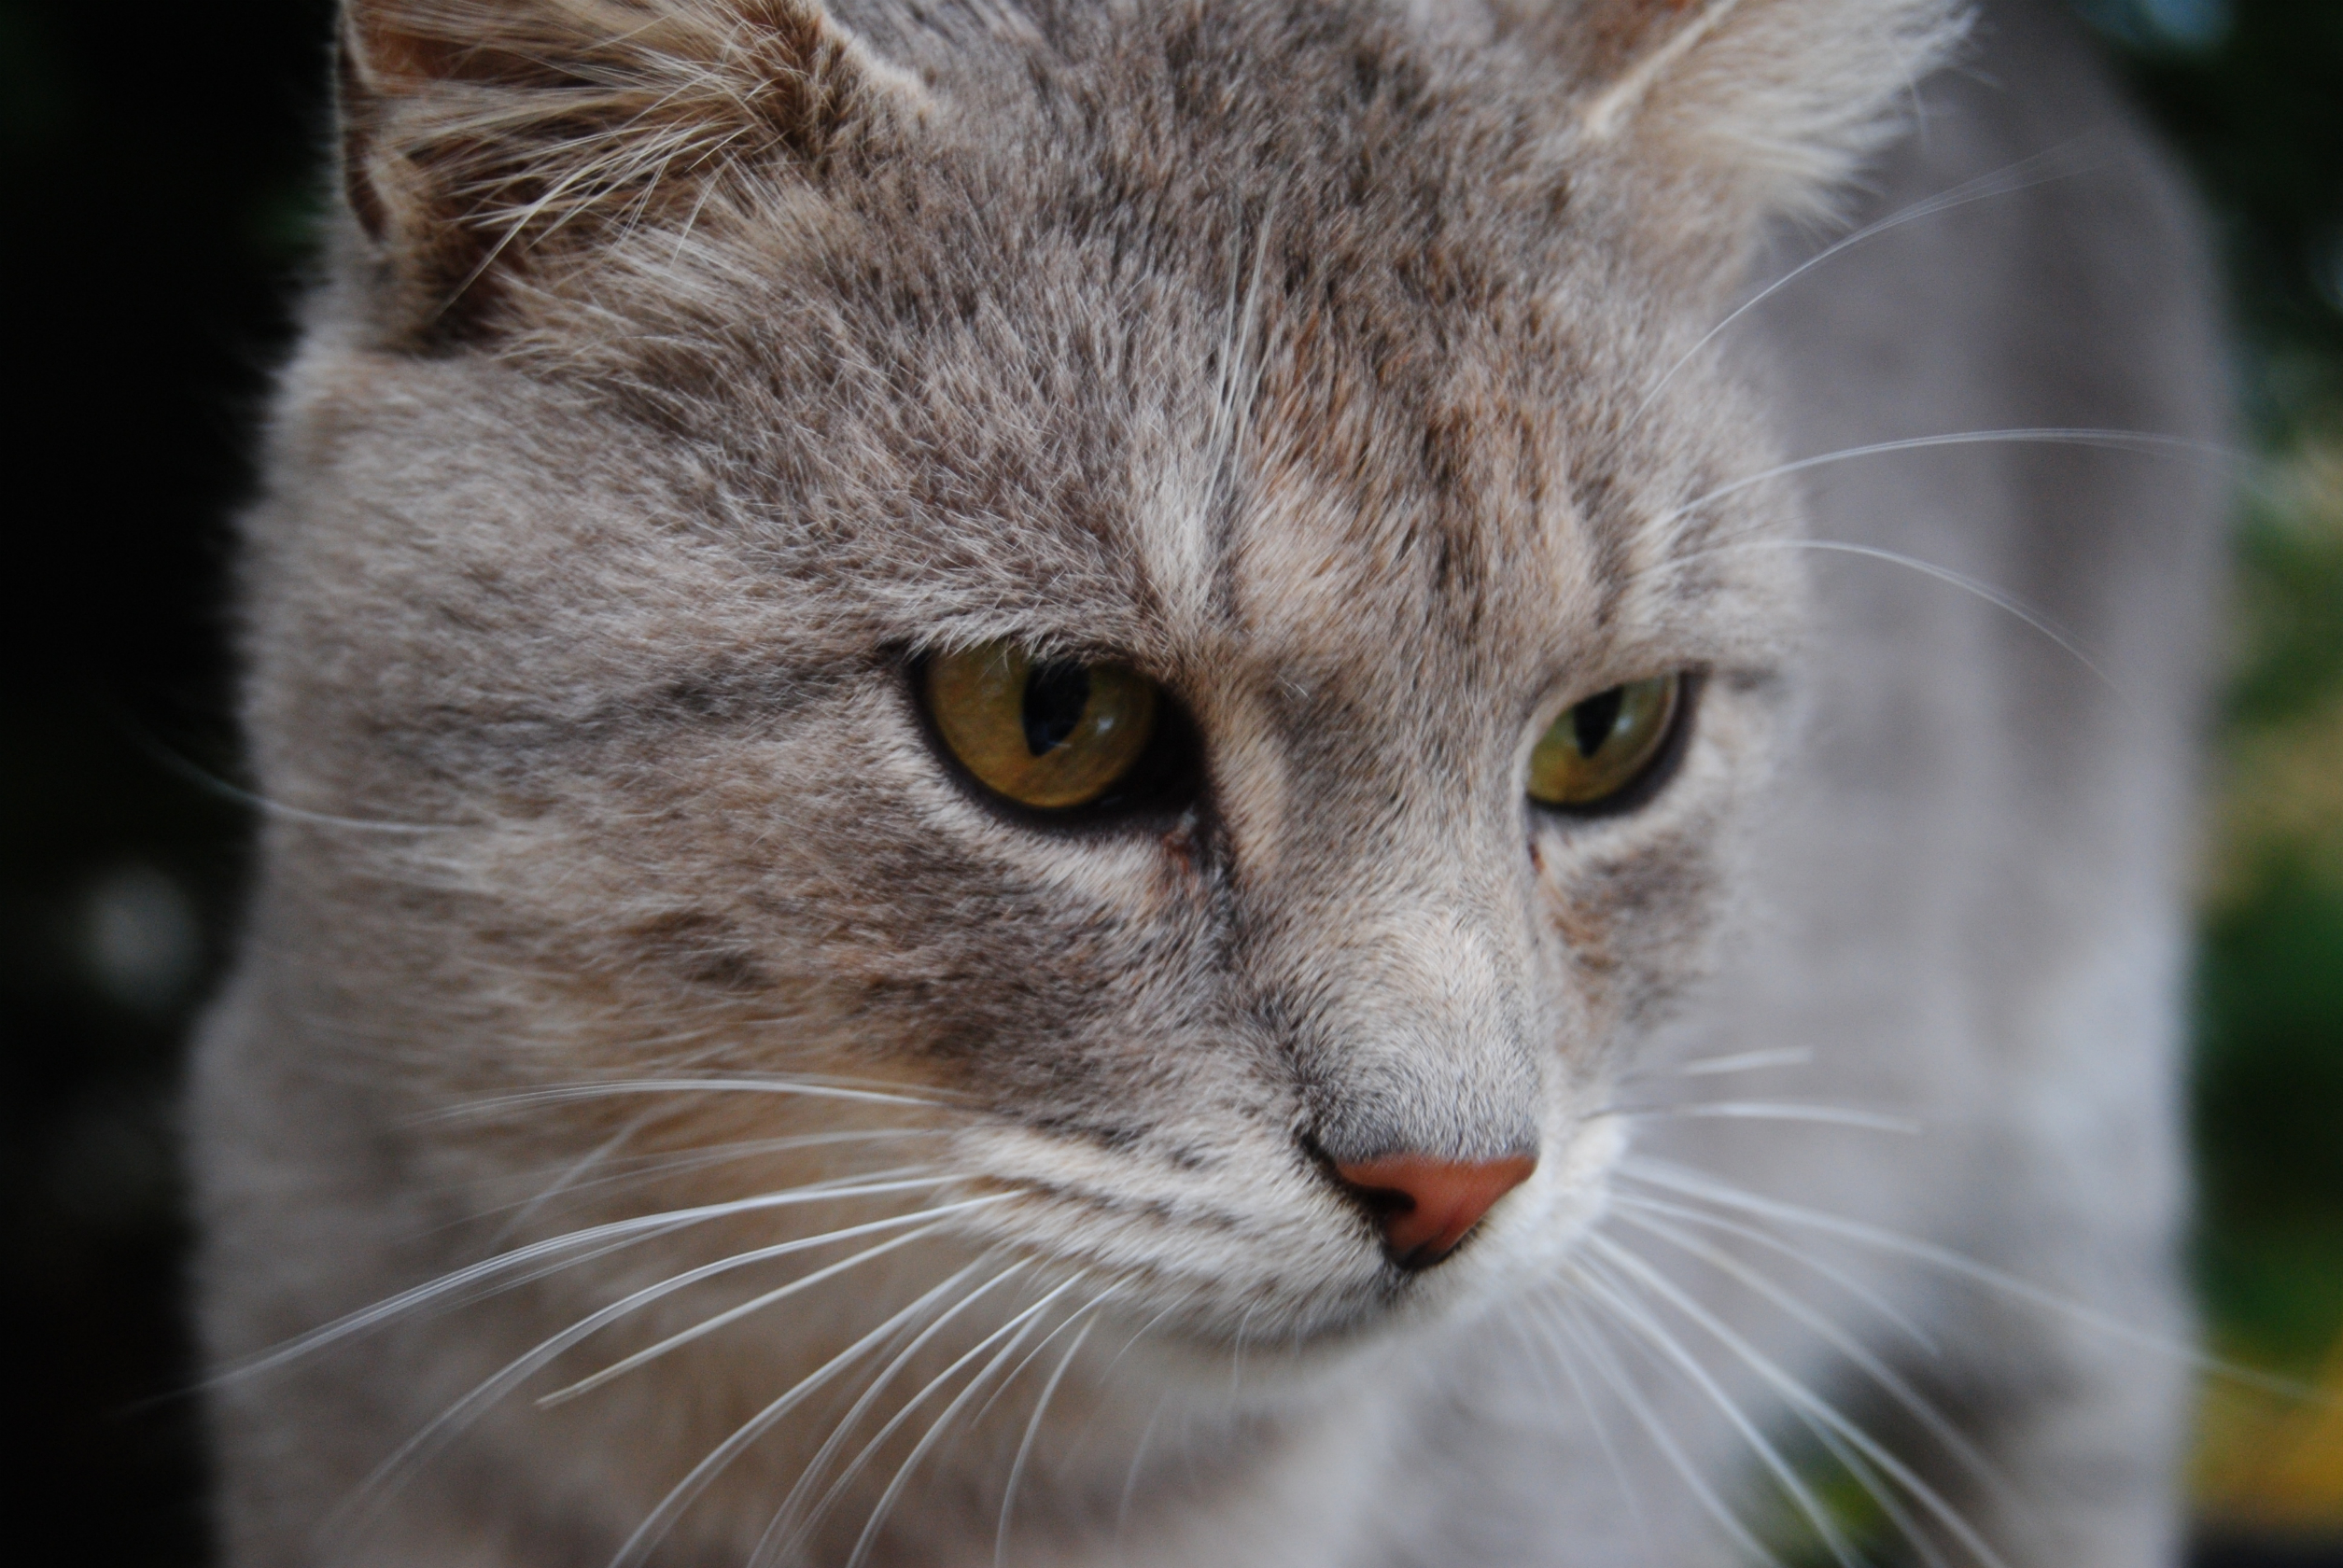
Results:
1224 315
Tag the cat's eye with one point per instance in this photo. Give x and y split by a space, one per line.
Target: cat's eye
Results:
1052 734
1602 747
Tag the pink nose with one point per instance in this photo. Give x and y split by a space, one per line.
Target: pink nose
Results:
1425 1205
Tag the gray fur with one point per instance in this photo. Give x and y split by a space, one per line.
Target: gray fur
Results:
687 366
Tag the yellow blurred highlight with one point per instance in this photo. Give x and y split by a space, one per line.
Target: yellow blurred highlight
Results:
2270 1463
2282 797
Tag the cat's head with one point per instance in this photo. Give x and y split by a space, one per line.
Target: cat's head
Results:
1151 579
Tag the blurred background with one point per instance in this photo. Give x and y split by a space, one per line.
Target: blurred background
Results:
158 160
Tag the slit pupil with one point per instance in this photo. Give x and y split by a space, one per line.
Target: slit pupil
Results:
1056 696
1591 721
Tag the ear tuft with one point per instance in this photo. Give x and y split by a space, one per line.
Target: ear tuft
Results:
479 135
1746 109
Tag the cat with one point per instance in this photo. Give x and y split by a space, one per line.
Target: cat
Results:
1203 782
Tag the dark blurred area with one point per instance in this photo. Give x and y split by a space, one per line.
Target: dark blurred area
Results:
164 160
159 159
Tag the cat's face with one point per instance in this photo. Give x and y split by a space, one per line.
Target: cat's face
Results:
1329 413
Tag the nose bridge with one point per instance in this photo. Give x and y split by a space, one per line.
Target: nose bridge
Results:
1402 968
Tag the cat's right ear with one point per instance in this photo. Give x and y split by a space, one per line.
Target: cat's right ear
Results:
1706 118
488 144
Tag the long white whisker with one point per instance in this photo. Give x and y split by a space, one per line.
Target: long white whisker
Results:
1602 1287
618 1233
189 770
568 1178
1897 1387
1740 1061
1144 1329
1828 1116
734 1314
2000 182
1130 1476
786 1530
648 1166
1845 1281
450 1423
2143 442
1042 1347
1549 1331
1013 1331
1693 1183
1033 1426
1907 1525
656 1525
1803 1398
1606 1363
744 1085
928 1439
2010 604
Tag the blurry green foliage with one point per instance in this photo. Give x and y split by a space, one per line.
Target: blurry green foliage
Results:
2251 92
2270 1111
2290 604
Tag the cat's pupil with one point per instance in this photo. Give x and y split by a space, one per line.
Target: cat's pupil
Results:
1054 697
1591 722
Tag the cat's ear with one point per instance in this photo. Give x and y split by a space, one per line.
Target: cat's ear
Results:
1716 116
485 138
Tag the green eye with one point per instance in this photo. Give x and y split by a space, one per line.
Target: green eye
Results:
1050 736
1604 744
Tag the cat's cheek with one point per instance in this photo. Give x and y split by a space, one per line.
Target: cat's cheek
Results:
1632 919
1142 875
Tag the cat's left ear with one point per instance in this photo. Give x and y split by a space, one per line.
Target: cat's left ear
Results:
483 140
1710 118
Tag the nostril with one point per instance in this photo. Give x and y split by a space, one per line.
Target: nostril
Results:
1425 1205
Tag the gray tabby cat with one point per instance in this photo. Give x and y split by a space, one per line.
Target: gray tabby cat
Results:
1074 783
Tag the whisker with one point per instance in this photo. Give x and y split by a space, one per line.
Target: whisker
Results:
1038 1350
1607 1364
1897 1387
1693 1183
647 1536
1742 1061
1844 1281
2031 615
451 1422
1829 1115
618 1233
1034 1423
1013 1330
1144 1329
1236 1352
570 1175
2000 182
204 779
934 1432
776 1545
1622 1306
1803 1398
2141 442
758 1304
1907 1524
802 1089
646 1167
1131 1476
1560 1354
